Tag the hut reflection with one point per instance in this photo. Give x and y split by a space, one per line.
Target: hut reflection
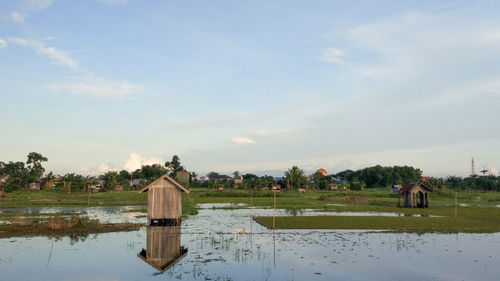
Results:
163 247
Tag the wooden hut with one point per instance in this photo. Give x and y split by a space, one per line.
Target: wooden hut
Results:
164 201
163 247
415 195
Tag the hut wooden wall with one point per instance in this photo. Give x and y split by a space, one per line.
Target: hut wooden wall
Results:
164 201
163 245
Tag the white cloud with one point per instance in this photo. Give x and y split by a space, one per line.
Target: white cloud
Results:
3 44
333 55
98 87
492 170
103 168
88 85
35 5
16 17
136 161
56 56
242 140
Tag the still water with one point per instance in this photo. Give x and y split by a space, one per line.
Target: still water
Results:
225 244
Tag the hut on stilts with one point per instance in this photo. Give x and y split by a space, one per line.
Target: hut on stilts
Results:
164 201
415 195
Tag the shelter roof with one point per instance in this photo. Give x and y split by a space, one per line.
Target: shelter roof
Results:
167 178
411 186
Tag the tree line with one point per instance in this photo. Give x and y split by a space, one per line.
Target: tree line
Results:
18 176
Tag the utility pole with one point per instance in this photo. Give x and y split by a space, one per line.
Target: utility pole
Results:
472 172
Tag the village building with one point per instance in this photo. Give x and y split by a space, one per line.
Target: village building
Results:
333 186
322 171
238 180
34 186
415 195
163 247
276 187
164 201
137 183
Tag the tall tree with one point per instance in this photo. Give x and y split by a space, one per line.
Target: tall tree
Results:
295 177
174 166
34 166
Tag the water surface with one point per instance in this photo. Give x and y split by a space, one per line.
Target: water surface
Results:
226 244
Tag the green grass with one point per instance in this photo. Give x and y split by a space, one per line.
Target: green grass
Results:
482 213
418 224
77 226
59 198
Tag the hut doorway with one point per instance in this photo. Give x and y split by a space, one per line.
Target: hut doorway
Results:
420 199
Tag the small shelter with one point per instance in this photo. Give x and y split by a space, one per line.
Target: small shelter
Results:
416 195
163 247
2 193
164 201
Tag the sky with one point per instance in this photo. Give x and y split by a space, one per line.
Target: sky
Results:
254 86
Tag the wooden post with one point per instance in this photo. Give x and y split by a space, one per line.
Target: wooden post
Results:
456 204
274 217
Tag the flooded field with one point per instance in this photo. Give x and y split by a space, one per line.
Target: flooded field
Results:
221 243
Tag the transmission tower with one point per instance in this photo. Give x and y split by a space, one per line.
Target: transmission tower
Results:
472 172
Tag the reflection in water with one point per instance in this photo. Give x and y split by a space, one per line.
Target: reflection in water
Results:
226 244
163 247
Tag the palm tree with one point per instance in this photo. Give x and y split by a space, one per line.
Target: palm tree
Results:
49 180
295 177
67 182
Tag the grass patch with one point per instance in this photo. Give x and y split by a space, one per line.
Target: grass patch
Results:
416 224
58 226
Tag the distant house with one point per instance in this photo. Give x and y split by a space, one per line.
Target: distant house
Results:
118 187
415 195
219 177
97 182
333 186
322 171
396 187
276 187
34 186
238 180
220 187
164 201
3 179
137 182
302 189
204 179
279 179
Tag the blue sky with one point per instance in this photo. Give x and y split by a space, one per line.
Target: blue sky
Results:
254 86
